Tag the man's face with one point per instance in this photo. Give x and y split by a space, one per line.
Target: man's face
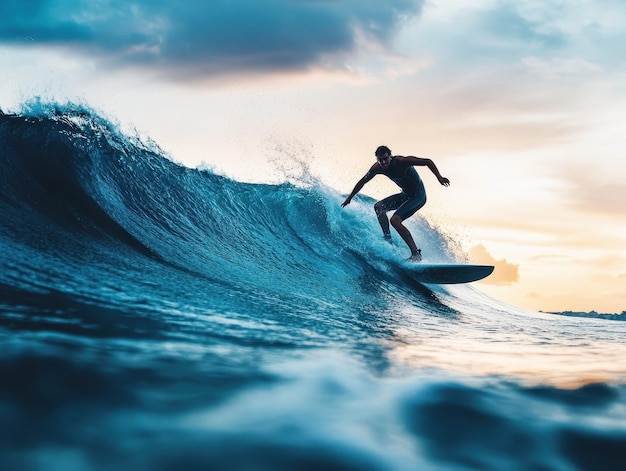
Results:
384 160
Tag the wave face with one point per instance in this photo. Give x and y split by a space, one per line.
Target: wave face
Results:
156 317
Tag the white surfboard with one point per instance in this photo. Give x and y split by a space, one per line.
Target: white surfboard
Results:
448 273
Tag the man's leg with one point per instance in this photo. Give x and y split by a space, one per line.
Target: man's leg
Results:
383 220
388 204
396 222
406 210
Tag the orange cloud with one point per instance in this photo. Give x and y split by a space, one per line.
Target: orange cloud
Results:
505 273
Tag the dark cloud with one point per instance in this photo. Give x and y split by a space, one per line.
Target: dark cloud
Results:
205 36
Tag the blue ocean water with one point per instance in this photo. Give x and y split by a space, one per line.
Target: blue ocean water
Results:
157 317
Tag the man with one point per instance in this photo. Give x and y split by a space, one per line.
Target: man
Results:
413 196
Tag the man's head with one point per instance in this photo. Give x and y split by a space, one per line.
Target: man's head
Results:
383 155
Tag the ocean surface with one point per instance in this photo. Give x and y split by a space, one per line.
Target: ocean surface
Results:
157 317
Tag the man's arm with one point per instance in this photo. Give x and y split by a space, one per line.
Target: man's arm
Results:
419 161
359 185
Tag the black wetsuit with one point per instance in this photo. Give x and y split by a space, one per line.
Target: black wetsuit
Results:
413 195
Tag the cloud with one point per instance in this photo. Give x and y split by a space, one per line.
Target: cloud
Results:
566 34
205 37
492 32
509 21
595 191
600 197
504 274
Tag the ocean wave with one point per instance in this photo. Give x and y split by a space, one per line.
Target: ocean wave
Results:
157 317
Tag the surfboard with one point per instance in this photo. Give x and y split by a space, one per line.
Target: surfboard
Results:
448 273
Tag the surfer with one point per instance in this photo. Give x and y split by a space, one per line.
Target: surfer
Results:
413 196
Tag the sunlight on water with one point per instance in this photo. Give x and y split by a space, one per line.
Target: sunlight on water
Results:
534 348
559 366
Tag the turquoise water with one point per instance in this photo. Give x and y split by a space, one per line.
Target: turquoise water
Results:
156 317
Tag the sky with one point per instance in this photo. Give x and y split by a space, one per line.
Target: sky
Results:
520 103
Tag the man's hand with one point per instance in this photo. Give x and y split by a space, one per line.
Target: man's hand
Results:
346 202
444 181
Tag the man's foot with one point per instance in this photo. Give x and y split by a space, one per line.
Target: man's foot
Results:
387 238
415 257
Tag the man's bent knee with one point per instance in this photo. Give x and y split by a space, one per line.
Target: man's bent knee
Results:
396 220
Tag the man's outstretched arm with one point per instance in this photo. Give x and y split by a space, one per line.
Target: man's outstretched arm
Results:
359 185
431 165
